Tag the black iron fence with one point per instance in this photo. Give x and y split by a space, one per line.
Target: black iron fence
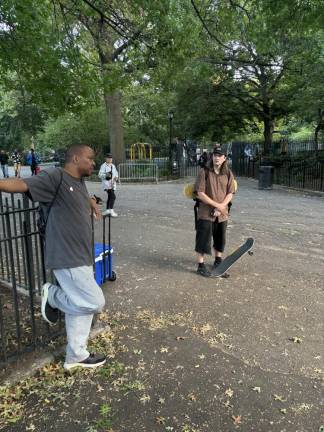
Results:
301 174
22 274
298 173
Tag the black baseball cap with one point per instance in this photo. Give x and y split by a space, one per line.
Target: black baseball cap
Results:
219 151
108 155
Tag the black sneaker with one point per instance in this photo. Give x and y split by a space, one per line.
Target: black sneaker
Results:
49 313
202 270
217 261
93 361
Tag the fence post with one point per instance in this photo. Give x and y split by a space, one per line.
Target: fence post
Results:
13 278
31 280
304 175
3 333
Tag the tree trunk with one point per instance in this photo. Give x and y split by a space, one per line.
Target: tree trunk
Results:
115 126
105 43
267 133
268 129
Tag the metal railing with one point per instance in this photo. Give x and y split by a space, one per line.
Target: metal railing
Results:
137 172
301 174
22 274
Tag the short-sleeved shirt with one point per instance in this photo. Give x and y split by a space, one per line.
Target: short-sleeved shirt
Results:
217 187
4 158
68 229
16 158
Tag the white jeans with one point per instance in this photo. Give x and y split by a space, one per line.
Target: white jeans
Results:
79 297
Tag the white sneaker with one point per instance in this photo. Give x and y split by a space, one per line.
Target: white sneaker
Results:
50 314
106 212
113 213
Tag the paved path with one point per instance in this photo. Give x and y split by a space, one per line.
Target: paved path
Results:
189 354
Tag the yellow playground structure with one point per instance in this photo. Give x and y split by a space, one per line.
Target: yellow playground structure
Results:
141 151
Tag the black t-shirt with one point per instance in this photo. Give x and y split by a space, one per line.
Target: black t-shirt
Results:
4 159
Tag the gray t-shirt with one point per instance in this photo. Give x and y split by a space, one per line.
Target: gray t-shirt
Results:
68 229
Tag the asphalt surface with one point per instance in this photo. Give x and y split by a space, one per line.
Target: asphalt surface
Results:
192 354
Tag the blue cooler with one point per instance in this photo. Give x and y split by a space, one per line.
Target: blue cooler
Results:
103 263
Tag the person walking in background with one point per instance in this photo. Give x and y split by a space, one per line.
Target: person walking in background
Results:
203 160
109 175
63 196
16 159
4 163
33 161
215 188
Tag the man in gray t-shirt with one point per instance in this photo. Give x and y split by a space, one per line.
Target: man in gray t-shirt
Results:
68 227
64 197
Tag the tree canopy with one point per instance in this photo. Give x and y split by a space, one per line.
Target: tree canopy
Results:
224 67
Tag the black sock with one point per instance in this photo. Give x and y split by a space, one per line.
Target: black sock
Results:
201 265
218 260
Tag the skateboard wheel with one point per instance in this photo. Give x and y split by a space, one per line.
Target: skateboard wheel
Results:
250 253
113 276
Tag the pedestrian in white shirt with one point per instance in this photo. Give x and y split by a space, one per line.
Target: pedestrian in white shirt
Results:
109 175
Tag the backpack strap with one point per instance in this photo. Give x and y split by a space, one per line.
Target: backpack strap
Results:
197 201
55 196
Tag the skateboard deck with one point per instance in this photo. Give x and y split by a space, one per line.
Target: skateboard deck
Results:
231 259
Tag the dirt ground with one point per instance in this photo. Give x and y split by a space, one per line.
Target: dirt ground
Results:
190 354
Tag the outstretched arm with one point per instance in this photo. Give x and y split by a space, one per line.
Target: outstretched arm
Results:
13 185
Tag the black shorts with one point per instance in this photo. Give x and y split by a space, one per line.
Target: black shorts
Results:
205 231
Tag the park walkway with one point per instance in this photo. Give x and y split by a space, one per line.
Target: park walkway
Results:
189 354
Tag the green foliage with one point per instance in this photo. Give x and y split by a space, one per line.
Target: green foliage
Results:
19 120
258 50
105 421
88 127
225 68
305 133
36 57
145 114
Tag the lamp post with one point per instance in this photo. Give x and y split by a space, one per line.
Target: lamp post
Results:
170 117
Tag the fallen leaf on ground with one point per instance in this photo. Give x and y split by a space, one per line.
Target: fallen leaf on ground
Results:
144 399
160 420
296 339
192 397
237 420
279 398
229 392
205 328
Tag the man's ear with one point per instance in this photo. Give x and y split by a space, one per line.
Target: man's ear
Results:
75 159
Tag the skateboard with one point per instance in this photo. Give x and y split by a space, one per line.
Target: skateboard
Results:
231 259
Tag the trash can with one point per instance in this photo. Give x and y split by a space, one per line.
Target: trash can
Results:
265 177
103 263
